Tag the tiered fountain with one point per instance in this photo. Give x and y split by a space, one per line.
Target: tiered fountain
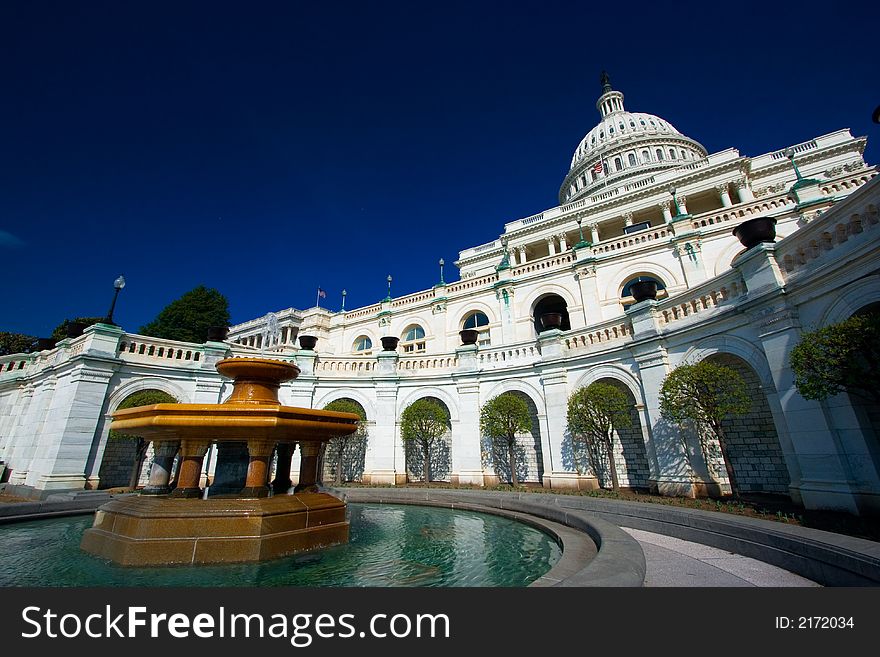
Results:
164 526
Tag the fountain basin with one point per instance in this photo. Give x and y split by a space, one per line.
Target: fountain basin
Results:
181 528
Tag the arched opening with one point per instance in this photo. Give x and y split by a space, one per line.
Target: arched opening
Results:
544 311
427 459
753 447
363 346
528 453
344 456
413 339
127 459
626 295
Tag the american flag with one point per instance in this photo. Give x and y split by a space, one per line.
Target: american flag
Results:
597 168
321 294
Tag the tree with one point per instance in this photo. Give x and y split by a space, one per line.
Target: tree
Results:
188 318
60 331
423 423
341 447
838 358
501 418
594 414
141 398
16 343
706 394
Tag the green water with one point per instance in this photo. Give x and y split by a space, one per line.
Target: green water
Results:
391 545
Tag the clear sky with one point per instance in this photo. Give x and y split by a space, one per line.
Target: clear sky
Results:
265 148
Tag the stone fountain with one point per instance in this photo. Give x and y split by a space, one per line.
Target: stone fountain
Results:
164 526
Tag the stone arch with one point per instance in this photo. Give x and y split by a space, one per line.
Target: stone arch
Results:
619 278
431 391
736 346
752 442
550 302
366 403
127 389
852 298
630 451
528 304
120 456
344 458
440 456
399 326
530 446
470 307
364 332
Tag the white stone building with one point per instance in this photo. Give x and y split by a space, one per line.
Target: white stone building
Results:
641 201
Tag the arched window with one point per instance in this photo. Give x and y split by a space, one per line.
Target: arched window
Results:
646 156
659 155
683 156
632 160
671 153
626 296
478 320
363 345
413 339
618 165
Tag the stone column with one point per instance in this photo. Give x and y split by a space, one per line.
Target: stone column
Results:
667 213
310 450
522 255
551 245
628 219
190 469
744 190
282 483
724 193
160 472
594 232
682 204
467 465
258 468
563 243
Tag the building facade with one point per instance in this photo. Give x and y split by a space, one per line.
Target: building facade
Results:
641 201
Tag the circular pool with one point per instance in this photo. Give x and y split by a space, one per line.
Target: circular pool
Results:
391 545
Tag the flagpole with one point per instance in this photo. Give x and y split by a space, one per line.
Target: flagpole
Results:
318 298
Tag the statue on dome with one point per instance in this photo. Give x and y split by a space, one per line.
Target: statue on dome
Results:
605 80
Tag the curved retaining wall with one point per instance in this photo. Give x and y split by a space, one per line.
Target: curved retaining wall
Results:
827 558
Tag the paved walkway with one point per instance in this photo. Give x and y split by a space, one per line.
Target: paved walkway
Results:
674 562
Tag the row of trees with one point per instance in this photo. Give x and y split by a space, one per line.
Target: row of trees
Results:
186 319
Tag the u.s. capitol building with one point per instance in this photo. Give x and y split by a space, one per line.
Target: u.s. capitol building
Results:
550 306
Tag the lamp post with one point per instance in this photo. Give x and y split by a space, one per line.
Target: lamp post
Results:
442 282
789 153
581 242
388 298
343 300
118 284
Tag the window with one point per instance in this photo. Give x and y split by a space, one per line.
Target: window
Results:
478 320
659 155
683 156
646 156
632 160
363 345
618 165
413 339
671 154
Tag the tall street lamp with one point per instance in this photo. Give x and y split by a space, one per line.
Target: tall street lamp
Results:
118 284
442 262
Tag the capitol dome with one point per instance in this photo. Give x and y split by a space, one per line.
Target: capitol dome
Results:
624 149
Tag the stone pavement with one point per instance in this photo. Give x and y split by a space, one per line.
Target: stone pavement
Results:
674 562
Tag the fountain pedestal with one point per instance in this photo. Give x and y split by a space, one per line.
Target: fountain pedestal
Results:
250 525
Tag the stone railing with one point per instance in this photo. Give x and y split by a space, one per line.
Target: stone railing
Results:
799 148
14 363
422 363
140 348
516 354
470 283
850 222
598 335
548 262
846 185
353 366
720 291
647 236
364 312
736 214
416 297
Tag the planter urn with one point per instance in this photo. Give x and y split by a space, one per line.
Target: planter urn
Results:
754 231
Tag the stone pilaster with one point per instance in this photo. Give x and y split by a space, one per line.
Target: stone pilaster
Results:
467 465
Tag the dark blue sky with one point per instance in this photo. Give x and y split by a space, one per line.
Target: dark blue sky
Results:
268 148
